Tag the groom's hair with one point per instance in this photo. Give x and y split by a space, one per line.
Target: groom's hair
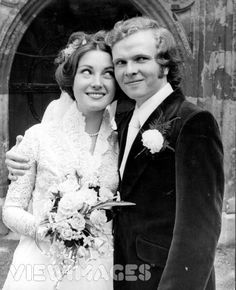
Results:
68 58
167 54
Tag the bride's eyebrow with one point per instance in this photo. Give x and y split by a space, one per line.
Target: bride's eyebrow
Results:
85 65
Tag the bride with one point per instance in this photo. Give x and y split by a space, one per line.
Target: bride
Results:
83 137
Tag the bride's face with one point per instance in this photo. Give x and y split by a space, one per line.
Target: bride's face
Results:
94 83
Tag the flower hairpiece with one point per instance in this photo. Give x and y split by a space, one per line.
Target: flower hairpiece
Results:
73 46
84 41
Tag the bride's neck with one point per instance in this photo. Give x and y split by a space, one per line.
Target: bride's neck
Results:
93 122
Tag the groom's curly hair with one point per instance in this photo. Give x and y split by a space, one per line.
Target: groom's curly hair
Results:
68 58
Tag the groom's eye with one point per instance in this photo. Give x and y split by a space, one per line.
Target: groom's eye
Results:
141 59
119 62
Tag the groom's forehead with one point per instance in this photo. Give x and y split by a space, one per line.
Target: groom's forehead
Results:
136 43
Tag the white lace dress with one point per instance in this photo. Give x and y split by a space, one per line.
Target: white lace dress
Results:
54 150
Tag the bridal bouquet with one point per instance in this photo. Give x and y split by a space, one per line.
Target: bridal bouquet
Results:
74 223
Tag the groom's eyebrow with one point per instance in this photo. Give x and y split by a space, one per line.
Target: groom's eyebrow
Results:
115 60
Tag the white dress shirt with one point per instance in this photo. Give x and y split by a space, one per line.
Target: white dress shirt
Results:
140 115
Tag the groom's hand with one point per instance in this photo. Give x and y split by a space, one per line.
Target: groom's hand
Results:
16 163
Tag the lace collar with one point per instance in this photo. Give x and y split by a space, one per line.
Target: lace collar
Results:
73 124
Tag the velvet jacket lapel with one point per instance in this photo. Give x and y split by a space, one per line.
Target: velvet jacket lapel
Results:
136 165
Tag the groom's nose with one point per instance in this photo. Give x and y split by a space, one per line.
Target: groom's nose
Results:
131 68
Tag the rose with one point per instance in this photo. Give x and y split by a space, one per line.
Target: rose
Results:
88 195
60 224
68 185
98 218
77 222
153 140
66 234
70 204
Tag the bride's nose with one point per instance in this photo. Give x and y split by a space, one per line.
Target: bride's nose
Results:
96 83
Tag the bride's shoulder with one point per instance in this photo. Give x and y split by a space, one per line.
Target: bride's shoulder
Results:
41 130
57 108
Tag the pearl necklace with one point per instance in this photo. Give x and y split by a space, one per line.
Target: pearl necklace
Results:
93 134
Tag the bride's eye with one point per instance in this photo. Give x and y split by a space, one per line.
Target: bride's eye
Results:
86 72
109 74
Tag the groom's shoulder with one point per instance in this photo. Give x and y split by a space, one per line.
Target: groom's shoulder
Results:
189 109
195 118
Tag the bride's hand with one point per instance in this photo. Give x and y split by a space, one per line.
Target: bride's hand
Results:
16 164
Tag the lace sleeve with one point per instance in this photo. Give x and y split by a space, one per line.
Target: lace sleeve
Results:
15 210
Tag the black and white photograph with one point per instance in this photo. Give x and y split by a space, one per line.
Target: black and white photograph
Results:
117 144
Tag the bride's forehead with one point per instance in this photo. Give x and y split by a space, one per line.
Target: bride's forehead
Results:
96 58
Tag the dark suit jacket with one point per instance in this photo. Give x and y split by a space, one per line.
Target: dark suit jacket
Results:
167 241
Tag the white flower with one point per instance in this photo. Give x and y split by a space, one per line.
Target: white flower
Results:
153 140
66 234
77 222
60 224
105 194
98 218
70 204
71 48
88 195
69 185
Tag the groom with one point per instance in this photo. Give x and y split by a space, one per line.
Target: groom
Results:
171 166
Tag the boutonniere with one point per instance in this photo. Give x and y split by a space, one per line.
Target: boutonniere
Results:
155 138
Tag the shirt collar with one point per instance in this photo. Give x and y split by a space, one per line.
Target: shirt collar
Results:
145 110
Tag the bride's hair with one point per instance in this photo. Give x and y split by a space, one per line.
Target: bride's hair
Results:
67 61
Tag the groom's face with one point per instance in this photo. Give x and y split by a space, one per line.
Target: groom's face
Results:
136 69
